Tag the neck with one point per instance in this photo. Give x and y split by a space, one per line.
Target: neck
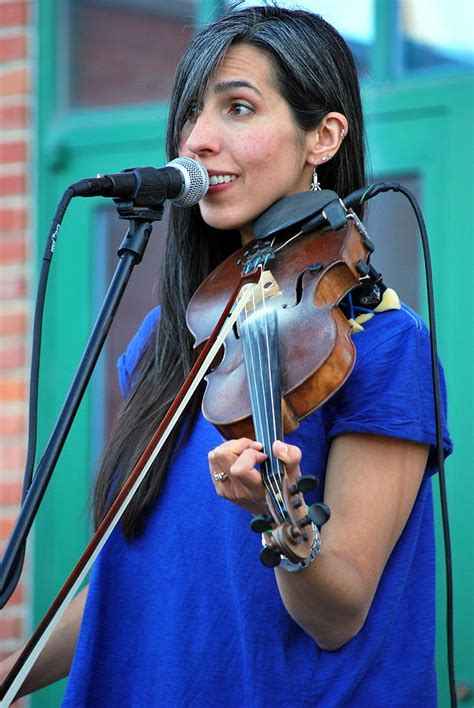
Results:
246 235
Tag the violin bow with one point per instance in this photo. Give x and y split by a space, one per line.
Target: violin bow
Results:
32 649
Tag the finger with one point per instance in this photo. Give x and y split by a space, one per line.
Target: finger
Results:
246 463
245 487
230 450
218 470
290 455
222 458
241 482
237 446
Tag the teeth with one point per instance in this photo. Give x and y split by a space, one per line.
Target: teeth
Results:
221 179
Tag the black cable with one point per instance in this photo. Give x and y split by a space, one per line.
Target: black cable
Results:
439 442
14 574
359 197
37 334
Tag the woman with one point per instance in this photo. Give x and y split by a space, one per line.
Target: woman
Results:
179 610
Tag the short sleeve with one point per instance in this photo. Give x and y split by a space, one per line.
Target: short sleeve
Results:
390 390
127 362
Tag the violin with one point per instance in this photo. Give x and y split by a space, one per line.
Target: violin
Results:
288 353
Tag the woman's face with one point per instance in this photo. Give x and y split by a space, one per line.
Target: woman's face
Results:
245 136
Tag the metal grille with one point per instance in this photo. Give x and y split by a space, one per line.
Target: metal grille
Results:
196 181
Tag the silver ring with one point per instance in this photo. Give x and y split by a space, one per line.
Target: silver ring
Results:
220 476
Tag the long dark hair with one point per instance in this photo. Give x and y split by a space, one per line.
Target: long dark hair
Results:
315 72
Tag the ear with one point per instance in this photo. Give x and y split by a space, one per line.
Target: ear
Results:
325 140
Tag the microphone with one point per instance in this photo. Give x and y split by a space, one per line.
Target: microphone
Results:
183 181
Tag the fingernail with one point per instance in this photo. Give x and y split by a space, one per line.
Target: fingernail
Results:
283 448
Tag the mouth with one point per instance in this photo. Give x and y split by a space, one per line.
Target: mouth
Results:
221 179
217 182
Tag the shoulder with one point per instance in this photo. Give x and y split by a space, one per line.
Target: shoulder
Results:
127 362
392 355
390 332
390 390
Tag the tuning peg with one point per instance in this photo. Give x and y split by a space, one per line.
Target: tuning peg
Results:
261 523
304 484
269 557
317 514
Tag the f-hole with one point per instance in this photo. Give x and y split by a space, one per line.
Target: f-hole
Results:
298 291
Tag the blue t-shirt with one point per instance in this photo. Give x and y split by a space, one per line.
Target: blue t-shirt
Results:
186 616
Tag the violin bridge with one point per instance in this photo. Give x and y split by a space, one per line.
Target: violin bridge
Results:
267 289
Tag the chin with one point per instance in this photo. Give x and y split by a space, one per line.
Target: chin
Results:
222 224
227 222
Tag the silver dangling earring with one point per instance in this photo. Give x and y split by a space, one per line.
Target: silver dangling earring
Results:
315 186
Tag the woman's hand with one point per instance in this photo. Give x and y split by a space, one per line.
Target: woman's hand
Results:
235 476
233 471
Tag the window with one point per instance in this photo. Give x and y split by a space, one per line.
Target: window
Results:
418 35
357 28
436 35
117 52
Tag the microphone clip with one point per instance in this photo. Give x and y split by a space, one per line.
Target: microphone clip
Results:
140 220
128 209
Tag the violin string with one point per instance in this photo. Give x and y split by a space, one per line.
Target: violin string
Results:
287 242
262 418
272 244
253 373
275 250
253 376
255 366
271 417
266 418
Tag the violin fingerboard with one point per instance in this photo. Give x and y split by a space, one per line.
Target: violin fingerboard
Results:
259 334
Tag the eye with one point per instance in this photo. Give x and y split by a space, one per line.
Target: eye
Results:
238 108
193 111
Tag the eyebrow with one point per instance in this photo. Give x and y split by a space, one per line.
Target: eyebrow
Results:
233 84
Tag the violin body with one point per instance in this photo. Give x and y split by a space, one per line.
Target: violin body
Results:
304 280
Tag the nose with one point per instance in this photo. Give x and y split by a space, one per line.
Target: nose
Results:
203 137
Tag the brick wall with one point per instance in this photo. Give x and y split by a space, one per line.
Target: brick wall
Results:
15 283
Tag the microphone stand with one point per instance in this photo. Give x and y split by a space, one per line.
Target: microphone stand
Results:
130 254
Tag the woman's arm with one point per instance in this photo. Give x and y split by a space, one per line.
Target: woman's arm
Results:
371 486
55 660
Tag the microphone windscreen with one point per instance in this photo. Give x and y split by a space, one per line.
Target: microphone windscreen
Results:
196 181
